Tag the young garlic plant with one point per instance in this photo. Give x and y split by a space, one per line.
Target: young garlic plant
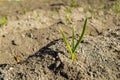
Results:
74 46
3 21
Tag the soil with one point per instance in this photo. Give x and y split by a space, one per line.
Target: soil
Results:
32 48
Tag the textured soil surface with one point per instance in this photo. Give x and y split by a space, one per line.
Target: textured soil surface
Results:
32 48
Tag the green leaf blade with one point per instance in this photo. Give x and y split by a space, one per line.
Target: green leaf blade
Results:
73 38
81 37
67 44
4 21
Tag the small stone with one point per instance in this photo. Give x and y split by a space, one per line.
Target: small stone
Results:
23 35
11 68
58 63
54 59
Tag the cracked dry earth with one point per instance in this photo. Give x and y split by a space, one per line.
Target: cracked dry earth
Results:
34 39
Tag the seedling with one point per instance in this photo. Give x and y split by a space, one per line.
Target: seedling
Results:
116 8
3 21
74 46
73 4
67 15
37 15
90 33
24 10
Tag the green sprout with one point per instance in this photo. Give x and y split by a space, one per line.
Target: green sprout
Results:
73 4
24 10
74 46
37 15
4 21
116 8
67 15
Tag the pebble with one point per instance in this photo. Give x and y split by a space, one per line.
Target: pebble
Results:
58 63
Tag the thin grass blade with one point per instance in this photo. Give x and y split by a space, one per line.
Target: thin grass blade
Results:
81 37
67 44
4 20
72 38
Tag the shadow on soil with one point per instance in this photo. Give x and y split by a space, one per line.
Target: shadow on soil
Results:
54 54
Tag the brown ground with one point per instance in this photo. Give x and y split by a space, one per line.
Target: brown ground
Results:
32 35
